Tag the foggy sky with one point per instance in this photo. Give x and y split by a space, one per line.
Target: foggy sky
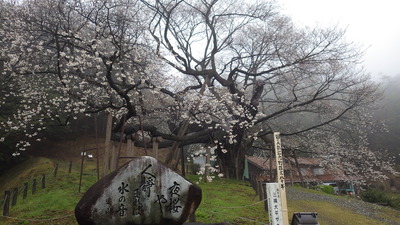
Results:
373 24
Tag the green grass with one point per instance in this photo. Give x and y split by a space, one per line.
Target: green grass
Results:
24 172
230 201
53 205
224 200
329 214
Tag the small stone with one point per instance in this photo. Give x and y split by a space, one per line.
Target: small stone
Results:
141 192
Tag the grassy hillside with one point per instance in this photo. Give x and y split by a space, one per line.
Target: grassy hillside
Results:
223 199
54 204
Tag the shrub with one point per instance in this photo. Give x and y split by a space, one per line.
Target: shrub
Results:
374 196
395 202
382 198
327 189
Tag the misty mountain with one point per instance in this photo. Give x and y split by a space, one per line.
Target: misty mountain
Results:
389 113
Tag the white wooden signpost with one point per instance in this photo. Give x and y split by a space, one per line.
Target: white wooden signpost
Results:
274 204
281 180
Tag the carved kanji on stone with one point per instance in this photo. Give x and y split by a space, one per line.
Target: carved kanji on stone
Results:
144 192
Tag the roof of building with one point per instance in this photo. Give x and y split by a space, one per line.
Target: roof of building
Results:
307 165
264 163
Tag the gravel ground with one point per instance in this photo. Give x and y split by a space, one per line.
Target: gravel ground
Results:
357 206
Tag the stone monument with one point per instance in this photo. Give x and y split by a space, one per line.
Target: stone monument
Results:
141 192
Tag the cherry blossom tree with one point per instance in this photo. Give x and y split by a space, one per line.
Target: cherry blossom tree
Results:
263 74
71 57
223 73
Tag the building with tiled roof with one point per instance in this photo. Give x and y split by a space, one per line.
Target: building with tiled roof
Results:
307 171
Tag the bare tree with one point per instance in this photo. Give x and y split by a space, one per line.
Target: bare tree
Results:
262 71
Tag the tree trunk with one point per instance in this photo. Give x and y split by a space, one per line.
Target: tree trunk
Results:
298 168
290 172
271 172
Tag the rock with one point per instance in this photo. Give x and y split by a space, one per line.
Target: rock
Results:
144 192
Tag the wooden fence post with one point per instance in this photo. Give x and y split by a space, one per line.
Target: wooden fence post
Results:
81 173
70 167
14 196
264 187
55 170
34 186
43 181
6 207
25 190
260 190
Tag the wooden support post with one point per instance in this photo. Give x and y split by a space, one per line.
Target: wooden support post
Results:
156 140
70 167
34 186
97 148
129 147
106 166
6 207
118 151
55 169
114 157
25 190
14 196
43 181
208 164
183 159
155 147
